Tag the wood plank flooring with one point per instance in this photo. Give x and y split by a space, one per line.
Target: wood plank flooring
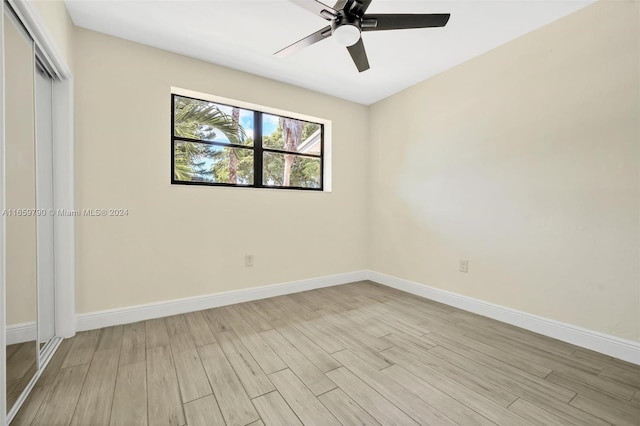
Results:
21 366
357 354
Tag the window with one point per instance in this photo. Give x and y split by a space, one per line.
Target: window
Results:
217 144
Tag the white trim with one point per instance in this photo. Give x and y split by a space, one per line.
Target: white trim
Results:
95 320
64 198
626 350
20 333
3 348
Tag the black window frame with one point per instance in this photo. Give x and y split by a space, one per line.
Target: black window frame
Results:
257 148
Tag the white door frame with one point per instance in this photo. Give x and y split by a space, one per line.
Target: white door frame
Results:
44 201
3 346
63 167
64 186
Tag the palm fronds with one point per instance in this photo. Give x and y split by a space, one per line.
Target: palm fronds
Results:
200 120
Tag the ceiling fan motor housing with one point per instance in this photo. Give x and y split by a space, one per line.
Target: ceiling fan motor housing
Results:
349 18
346 29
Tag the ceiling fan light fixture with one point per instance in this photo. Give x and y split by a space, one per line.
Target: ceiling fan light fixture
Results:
346 35
348 18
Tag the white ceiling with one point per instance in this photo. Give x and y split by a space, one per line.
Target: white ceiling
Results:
244 34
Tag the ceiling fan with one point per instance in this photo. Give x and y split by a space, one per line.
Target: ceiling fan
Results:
348 21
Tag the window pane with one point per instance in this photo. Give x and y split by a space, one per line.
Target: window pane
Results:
199 162
212 122
302 136
303 172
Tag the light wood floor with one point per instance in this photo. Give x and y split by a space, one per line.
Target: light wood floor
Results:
21 366
354 354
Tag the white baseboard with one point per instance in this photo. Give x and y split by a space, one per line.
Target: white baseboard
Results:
626 350
616 347
130 314
20 333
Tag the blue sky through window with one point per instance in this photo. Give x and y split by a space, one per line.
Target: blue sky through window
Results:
269 125
269 122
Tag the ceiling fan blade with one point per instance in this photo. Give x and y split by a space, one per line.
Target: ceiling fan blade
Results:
305 42
340 4
318 8
403 21
359 55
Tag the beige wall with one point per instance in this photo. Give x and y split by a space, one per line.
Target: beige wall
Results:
20 176
525 161
59 25
181 241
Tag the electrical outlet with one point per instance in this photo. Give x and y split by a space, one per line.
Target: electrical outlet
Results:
248 260
464 265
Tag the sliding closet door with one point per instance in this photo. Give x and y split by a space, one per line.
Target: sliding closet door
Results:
20 193
45 205
32 87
